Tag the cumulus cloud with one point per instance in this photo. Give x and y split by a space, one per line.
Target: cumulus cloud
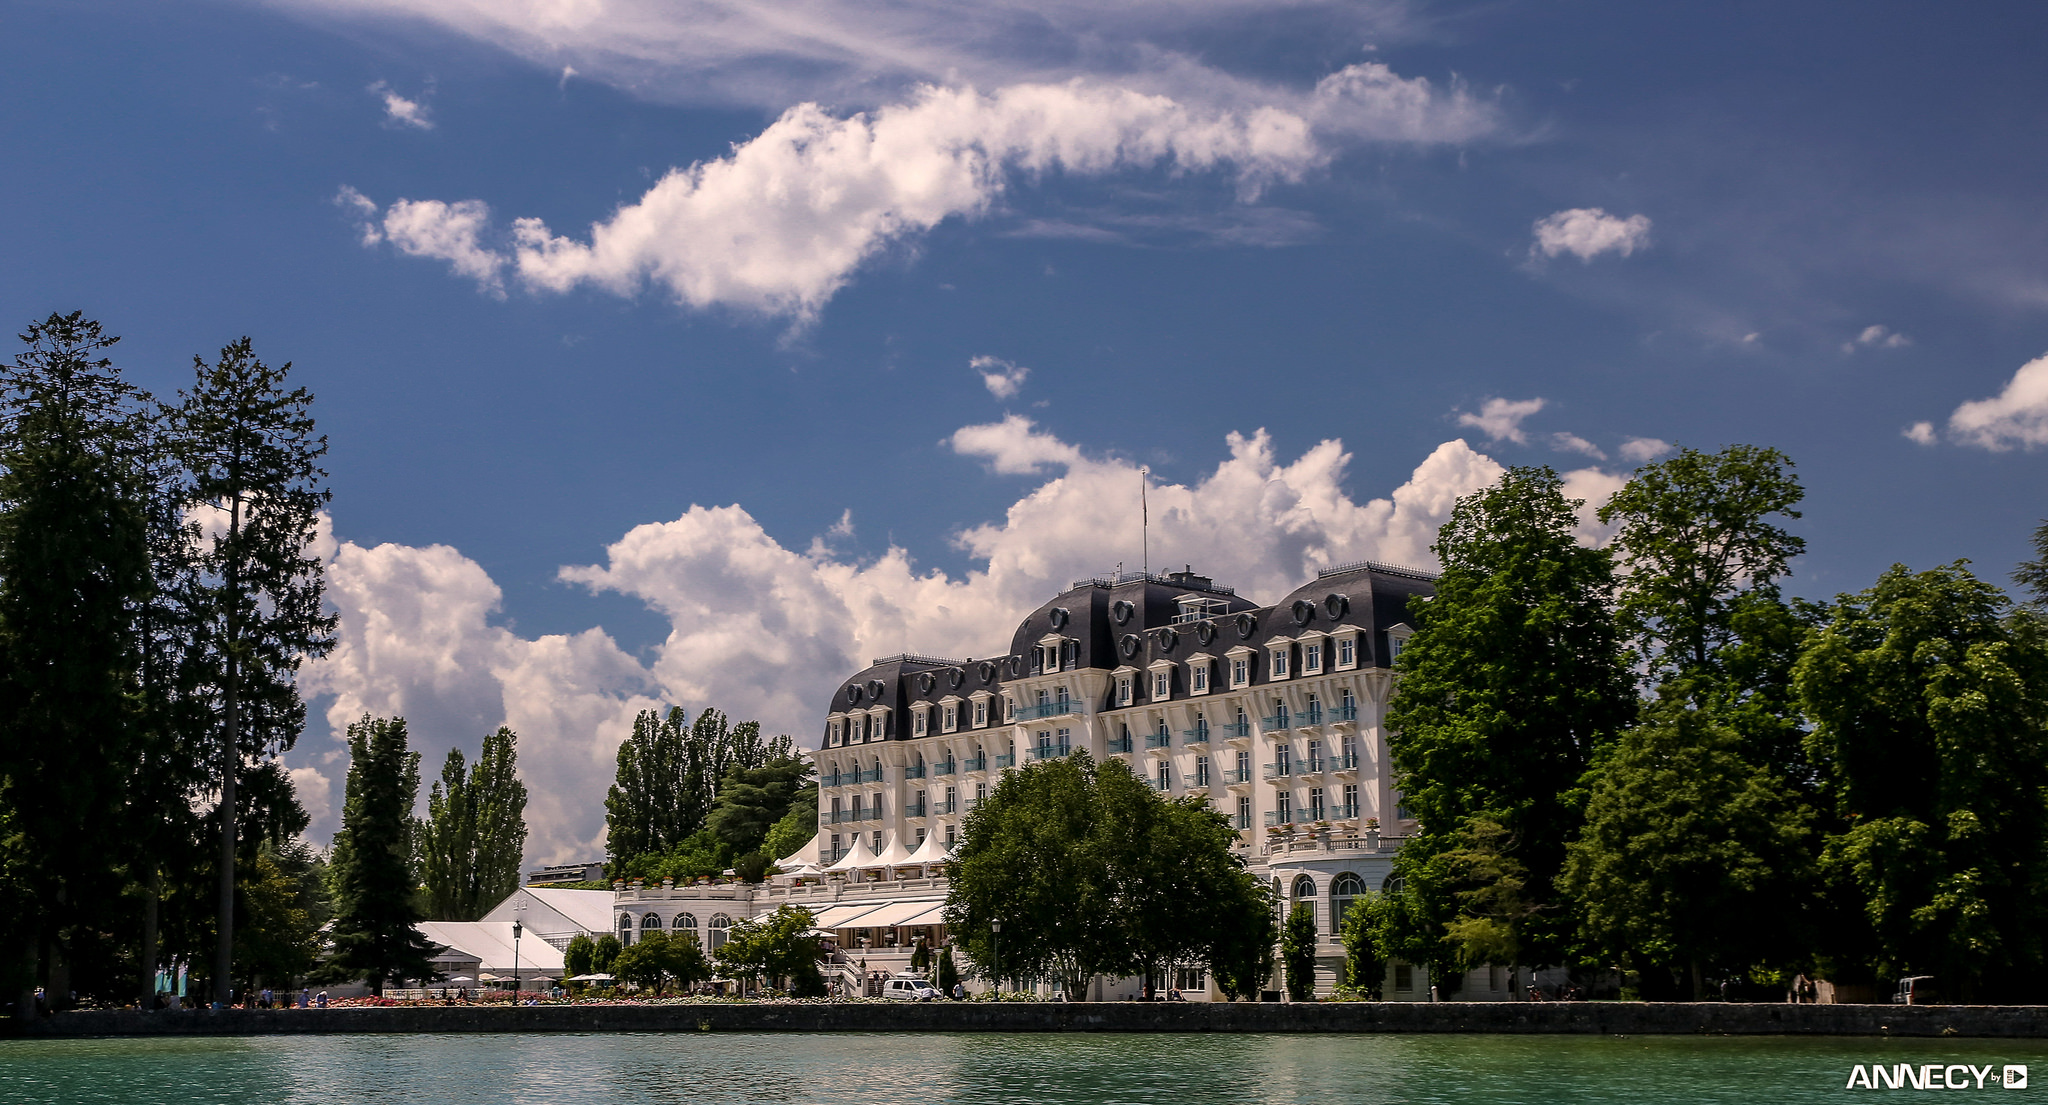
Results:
1876 337
1573 443
1002 379
765 631
1012 447
1588 232
451 232
2016 417
1920 433
1643 450
1501 419
401 112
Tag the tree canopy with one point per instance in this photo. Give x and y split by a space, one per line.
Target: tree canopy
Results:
475 832
374 937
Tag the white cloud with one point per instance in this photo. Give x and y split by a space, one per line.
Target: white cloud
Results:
451 232
1594 487
1920 433
1877 336
1002 378
1501 419
401 112
844 526
2016 416
1573 443
1588 232
765 631
1642 450
1012 447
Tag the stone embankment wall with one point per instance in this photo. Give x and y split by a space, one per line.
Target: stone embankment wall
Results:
1602 1018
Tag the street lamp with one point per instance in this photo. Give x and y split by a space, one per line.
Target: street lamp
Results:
517 928
996 927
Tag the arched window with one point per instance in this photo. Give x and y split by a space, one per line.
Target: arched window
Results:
1279 901
685 924
1305 891
625 929
651 923
1392 885
1346 889
720 925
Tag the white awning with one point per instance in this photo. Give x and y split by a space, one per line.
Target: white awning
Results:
893 914
838 916
936 915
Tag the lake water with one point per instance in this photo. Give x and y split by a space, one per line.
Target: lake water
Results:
878 1069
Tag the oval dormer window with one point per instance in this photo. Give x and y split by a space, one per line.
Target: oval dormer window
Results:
1303 611
1206 632
925 683
954 676
852 692
1336 605
875 689
1247 625
1132 643
1058 616
1167 639
988 671
1122 610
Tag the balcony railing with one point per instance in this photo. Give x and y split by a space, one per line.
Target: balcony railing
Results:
1346 812
1311 716
1313 766
1279 771
834 780
865 813
1050 751
1279 817
1243 821
1276 721
914 809
972 803
1237 775
1344 713
1119 744
871 775
1198 735
1346 762
974 763
940 809
1056 708
915 771
1236 729
1161 785
1007 759
946 768
1159 740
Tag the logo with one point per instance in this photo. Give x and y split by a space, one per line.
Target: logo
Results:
1936 1076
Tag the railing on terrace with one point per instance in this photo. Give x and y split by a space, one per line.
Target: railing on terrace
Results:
974 763
1243 820
1384 569
972 803
1276 721
1312 766
1344 713
946 807
1277 817
1198 735
1119 744
1161 785
833 780
1050 751
1279 771
1237 775
1007 759
1346 762
1308 717
1055 708
914 658
914 809
1159 740
914 771
1345 812
872 775
1121 578
945 768
1236 729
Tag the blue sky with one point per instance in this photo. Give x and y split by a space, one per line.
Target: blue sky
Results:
734 441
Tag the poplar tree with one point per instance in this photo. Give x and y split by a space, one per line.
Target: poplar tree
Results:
249 447
370 869
475 832
74 565
670 773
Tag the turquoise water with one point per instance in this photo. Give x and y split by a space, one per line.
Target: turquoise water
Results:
877 1069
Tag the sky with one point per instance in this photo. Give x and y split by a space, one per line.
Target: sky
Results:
697 353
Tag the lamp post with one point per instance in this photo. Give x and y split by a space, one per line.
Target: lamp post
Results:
518 927
996 928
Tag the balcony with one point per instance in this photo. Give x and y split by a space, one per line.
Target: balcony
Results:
946 768
1279 771
914 809
1160 739
1237 775
1007 759
1279 817
1198 735
1161 785
834 780
1241 820
871 775
1344 713
1346 762
915 771
1056 708
841 817
1313 766
1311 716
973 803
1275 722
1119 744
974 763
1050 751
1236 730
1346 812
940 809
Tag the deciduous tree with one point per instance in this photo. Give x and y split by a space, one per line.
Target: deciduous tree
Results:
475 832
1298 951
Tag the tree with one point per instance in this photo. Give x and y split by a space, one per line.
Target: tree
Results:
475 832
580 957
778 946
2033 574
1691 857
752 801
1695 535
74 564
1240 953
1365 964
605 952
1929 702
1298 951
249 447
669 776
946 976
374 935
1512 680
659 958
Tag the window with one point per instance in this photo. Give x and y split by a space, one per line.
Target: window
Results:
917 722
1280 663
1312 657
835 815
1190 979
1044 700
832 734
721 926
951 794
980 793
1123 691
1244 767
980 713
1350 751
1201 728
1347 652
859 808
1244 811
951 836
1201 771
1240 671
952 718
1404 978
876 843
920 836
1315 709
1279 718
1198 675
1065 742
1283 760
1394 647
1315 804
1162 684
685 925
1285 808
876 806
1045 744
836 853
625 928
1351 799
1348 707
1344 890
1165 776
1009 708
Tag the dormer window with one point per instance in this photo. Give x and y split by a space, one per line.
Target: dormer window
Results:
980 712
1241 671
1312 657
1198 678
951 717
1281 657
1123 690
1347 653
1397 639
832 734
917 722
1162 684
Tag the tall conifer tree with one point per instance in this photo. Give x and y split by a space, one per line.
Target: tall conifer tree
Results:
371 866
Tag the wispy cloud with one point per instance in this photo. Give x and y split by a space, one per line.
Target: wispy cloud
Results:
1002 379
402 112
1876 337
1588 232
1643 450
1501 419
1573 443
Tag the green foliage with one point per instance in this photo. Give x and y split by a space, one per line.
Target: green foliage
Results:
605 952
921 958
1695 535
946 976
1365 963
1691 857
796 828
778 946
2033 574
659 958
475 832
1929 702
580 957
1298 951
1091 872
1512 680
373 935
669 774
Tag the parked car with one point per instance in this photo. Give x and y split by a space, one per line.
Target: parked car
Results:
909 989
1915 990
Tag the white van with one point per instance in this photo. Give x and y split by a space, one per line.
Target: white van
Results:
909 989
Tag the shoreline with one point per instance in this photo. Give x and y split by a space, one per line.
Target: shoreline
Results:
1547 1018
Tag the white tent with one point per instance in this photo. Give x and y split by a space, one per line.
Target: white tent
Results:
806 856
856 857
894 854
931 853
